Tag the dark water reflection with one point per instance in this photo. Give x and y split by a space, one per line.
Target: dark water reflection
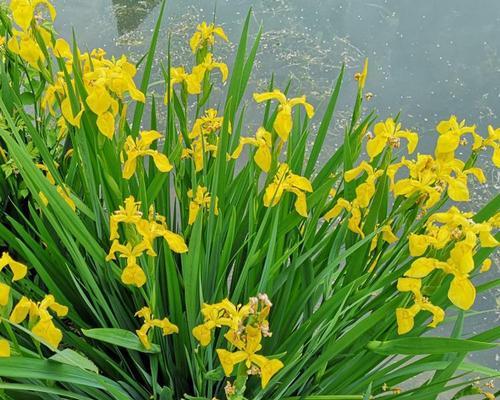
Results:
428 59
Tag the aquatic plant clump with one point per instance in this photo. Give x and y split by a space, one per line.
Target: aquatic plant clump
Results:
192 259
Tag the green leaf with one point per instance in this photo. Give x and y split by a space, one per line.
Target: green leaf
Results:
427 345
71 357
120 338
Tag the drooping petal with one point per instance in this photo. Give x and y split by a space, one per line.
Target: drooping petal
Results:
130 166
462 292
276 94
4 348
175 242
203 334
133 275
283 123
161 161
106 124
4 294
375 146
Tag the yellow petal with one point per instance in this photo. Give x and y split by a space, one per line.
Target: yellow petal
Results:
462 292
375 146
405 320
422 267
226 360
175 242
20 311
4 348
202 334
133 275
300 203
161 161
462 257
4 294
46 330
409 285
143 337
418 244
67 112
62 49
193 212
129 166
283 123
99 100
268 368
457 189
106 124
447 142
276 94
263 158
485 266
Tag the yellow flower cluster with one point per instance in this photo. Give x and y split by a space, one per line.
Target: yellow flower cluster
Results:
106 83
149 322
40 321
140 239
246 324
429 178
24 42
443 229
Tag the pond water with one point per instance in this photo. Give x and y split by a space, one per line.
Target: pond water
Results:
428 60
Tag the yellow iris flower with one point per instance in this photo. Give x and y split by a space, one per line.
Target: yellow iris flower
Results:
405 316
209 64
246 352
205 36
44 328
493 141
450 133
207 124
140 147
19 270
24 45
164 324
200 199
283 123
178 75
286 181
366 190
23 11
128 214
217 315
263 143
389 133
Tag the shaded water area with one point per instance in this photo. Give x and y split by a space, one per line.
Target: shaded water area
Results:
428 59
